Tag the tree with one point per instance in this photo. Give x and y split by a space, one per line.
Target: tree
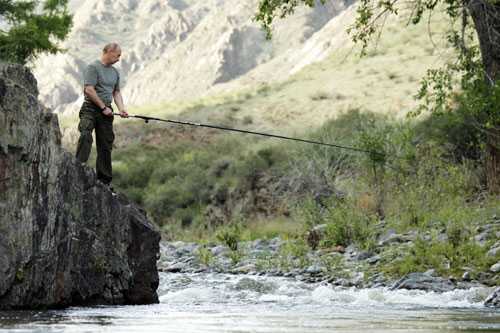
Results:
477 66
33 28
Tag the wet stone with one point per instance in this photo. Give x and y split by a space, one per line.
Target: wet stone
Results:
423 281
495 268
254 285
494 299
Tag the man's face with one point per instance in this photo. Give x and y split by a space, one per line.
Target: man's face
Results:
114 55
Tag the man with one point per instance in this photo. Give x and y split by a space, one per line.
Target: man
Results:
101 87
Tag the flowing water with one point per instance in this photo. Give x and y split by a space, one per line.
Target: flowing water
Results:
230 303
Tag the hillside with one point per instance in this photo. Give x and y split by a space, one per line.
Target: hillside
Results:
171 49
294 101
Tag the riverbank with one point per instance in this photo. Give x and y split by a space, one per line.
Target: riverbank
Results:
340 266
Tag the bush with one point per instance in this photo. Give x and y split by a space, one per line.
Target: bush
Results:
345 224
230 236
204 255
443 256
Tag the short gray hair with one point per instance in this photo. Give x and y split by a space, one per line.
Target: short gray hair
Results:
110 47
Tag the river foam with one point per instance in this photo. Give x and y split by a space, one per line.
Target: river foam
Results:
240 289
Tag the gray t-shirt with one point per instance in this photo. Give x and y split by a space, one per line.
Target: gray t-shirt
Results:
105 79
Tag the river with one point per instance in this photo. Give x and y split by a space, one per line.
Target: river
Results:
209 302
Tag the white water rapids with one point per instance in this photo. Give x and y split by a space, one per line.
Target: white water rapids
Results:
235 303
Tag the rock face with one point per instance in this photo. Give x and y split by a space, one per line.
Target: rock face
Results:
64 238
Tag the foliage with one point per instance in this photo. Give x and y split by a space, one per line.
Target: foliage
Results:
446 257
230 236
236 256
438 88
345 223
292 254
204 255
429 189
270 9
33 26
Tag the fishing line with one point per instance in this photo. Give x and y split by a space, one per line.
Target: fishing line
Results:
179 122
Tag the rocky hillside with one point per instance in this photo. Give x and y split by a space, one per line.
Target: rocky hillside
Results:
180 49
64 238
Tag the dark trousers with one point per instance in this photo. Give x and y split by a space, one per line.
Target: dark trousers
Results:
92 118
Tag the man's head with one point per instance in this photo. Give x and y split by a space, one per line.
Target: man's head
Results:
111 53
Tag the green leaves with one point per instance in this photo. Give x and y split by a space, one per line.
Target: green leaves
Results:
32 31
271 9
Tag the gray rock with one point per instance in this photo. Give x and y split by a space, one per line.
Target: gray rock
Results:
442 237
484 277
488 227
65 238
254 285
219 250
411 235
373 260
358 279
494 250
176 244
177 268
423 281
244 269
314 269
482 238
494 299
466 276
377 280
343 283
390 237
321 228
351 250
186 249
275 244
259 244
363 255
430 272
495 268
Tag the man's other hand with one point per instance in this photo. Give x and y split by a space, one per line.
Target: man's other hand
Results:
107 112
123 114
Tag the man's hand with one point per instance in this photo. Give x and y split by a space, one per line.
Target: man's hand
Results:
123 114
107 112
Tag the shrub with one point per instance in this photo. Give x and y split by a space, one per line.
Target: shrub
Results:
443 256
204 255
230 236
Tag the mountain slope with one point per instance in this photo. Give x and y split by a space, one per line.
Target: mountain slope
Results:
171 49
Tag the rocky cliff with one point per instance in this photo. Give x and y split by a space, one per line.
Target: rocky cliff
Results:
64 238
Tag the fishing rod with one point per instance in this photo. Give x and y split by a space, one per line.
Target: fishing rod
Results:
188 123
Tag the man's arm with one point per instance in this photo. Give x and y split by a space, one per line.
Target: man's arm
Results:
117 96
92 94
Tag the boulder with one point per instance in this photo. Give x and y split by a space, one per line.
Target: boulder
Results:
422 281
65 239
494 299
